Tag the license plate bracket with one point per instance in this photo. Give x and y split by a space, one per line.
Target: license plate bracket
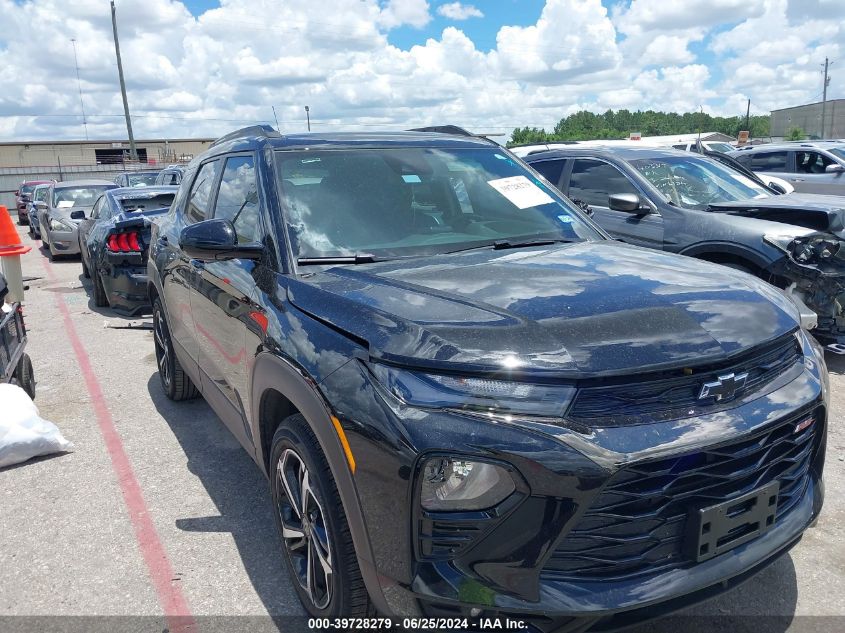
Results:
721 527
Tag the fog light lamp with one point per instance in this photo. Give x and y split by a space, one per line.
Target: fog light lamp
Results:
460 484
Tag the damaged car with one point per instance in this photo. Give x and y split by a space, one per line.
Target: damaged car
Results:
693 205
113 243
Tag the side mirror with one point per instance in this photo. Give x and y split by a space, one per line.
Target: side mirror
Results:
834 168
627 202
79 214
40 205
216 240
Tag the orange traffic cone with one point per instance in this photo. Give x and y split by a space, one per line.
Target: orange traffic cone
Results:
11 250
10 241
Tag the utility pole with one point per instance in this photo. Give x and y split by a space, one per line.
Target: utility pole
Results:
824 94
79 86
748 117
133 152
276 119
308 117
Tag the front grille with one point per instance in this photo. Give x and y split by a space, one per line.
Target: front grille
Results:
664 397
637 523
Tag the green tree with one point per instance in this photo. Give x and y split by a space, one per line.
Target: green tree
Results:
585 125
795 134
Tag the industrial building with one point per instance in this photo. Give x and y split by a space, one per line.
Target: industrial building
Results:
809 119
68 160
65 153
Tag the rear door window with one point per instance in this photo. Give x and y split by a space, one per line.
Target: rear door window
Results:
237 199
200 197
769 161
593 181
550 170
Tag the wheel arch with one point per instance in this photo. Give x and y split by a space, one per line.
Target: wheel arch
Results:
279 389
726 252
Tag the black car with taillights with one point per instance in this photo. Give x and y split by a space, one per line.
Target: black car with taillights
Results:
468 400
114 240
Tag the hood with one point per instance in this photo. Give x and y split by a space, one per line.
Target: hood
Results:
589 308
813 211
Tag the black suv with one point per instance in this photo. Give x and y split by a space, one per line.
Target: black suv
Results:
468 401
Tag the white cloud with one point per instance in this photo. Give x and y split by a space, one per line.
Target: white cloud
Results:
399 12
458 11
205 75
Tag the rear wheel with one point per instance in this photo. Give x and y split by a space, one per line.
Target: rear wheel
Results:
101 299
22 220
318 549
85 272
174 381
25 376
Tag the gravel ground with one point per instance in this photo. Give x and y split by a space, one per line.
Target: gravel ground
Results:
68 543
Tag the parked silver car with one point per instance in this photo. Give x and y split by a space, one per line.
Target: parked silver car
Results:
66 204
809 166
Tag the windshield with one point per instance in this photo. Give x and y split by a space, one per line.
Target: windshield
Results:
26 189
148 203
78 196
719 147
695 183
415 201
838 152
141 180
41 193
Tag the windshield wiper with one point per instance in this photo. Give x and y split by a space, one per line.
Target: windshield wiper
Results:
504 244
500 245
357 258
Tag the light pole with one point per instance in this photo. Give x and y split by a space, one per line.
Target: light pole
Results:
133 153
79 86
308 117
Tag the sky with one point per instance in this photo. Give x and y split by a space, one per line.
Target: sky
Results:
201 68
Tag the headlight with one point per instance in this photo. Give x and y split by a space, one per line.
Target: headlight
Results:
460 484
815 248
484 395
60 225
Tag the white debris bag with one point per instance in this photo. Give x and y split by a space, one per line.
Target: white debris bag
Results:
23 433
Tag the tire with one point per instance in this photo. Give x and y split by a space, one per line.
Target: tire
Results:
324 536
85 272
101 299
22 221
25 376
174 381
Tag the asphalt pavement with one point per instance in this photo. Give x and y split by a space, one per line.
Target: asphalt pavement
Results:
158 512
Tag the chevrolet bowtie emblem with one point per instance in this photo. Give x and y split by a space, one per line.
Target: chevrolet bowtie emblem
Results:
724 387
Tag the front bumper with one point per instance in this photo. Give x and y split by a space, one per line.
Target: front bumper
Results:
64 242
504 571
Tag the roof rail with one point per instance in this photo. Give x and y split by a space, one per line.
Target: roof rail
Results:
262 130
443 129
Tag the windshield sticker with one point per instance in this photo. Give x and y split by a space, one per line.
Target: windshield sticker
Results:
64 204
521 192
566 219
411 178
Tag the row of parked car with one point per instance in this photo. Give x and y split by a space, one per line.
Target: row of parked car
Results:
105 223
471 400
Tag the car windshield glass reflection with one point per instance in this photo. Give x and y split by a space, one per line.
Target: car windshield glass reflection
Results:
77 196
140 180
695 183
415 201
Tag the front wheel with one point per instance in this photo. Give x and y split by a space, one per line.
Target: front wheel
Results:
174 381
318 549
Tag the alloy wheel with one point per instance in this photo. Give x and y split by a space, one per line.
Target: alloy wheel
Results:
162 347
304 529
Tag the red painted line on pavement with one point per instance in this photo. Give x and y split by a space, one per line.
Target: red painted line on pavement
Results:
170 597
